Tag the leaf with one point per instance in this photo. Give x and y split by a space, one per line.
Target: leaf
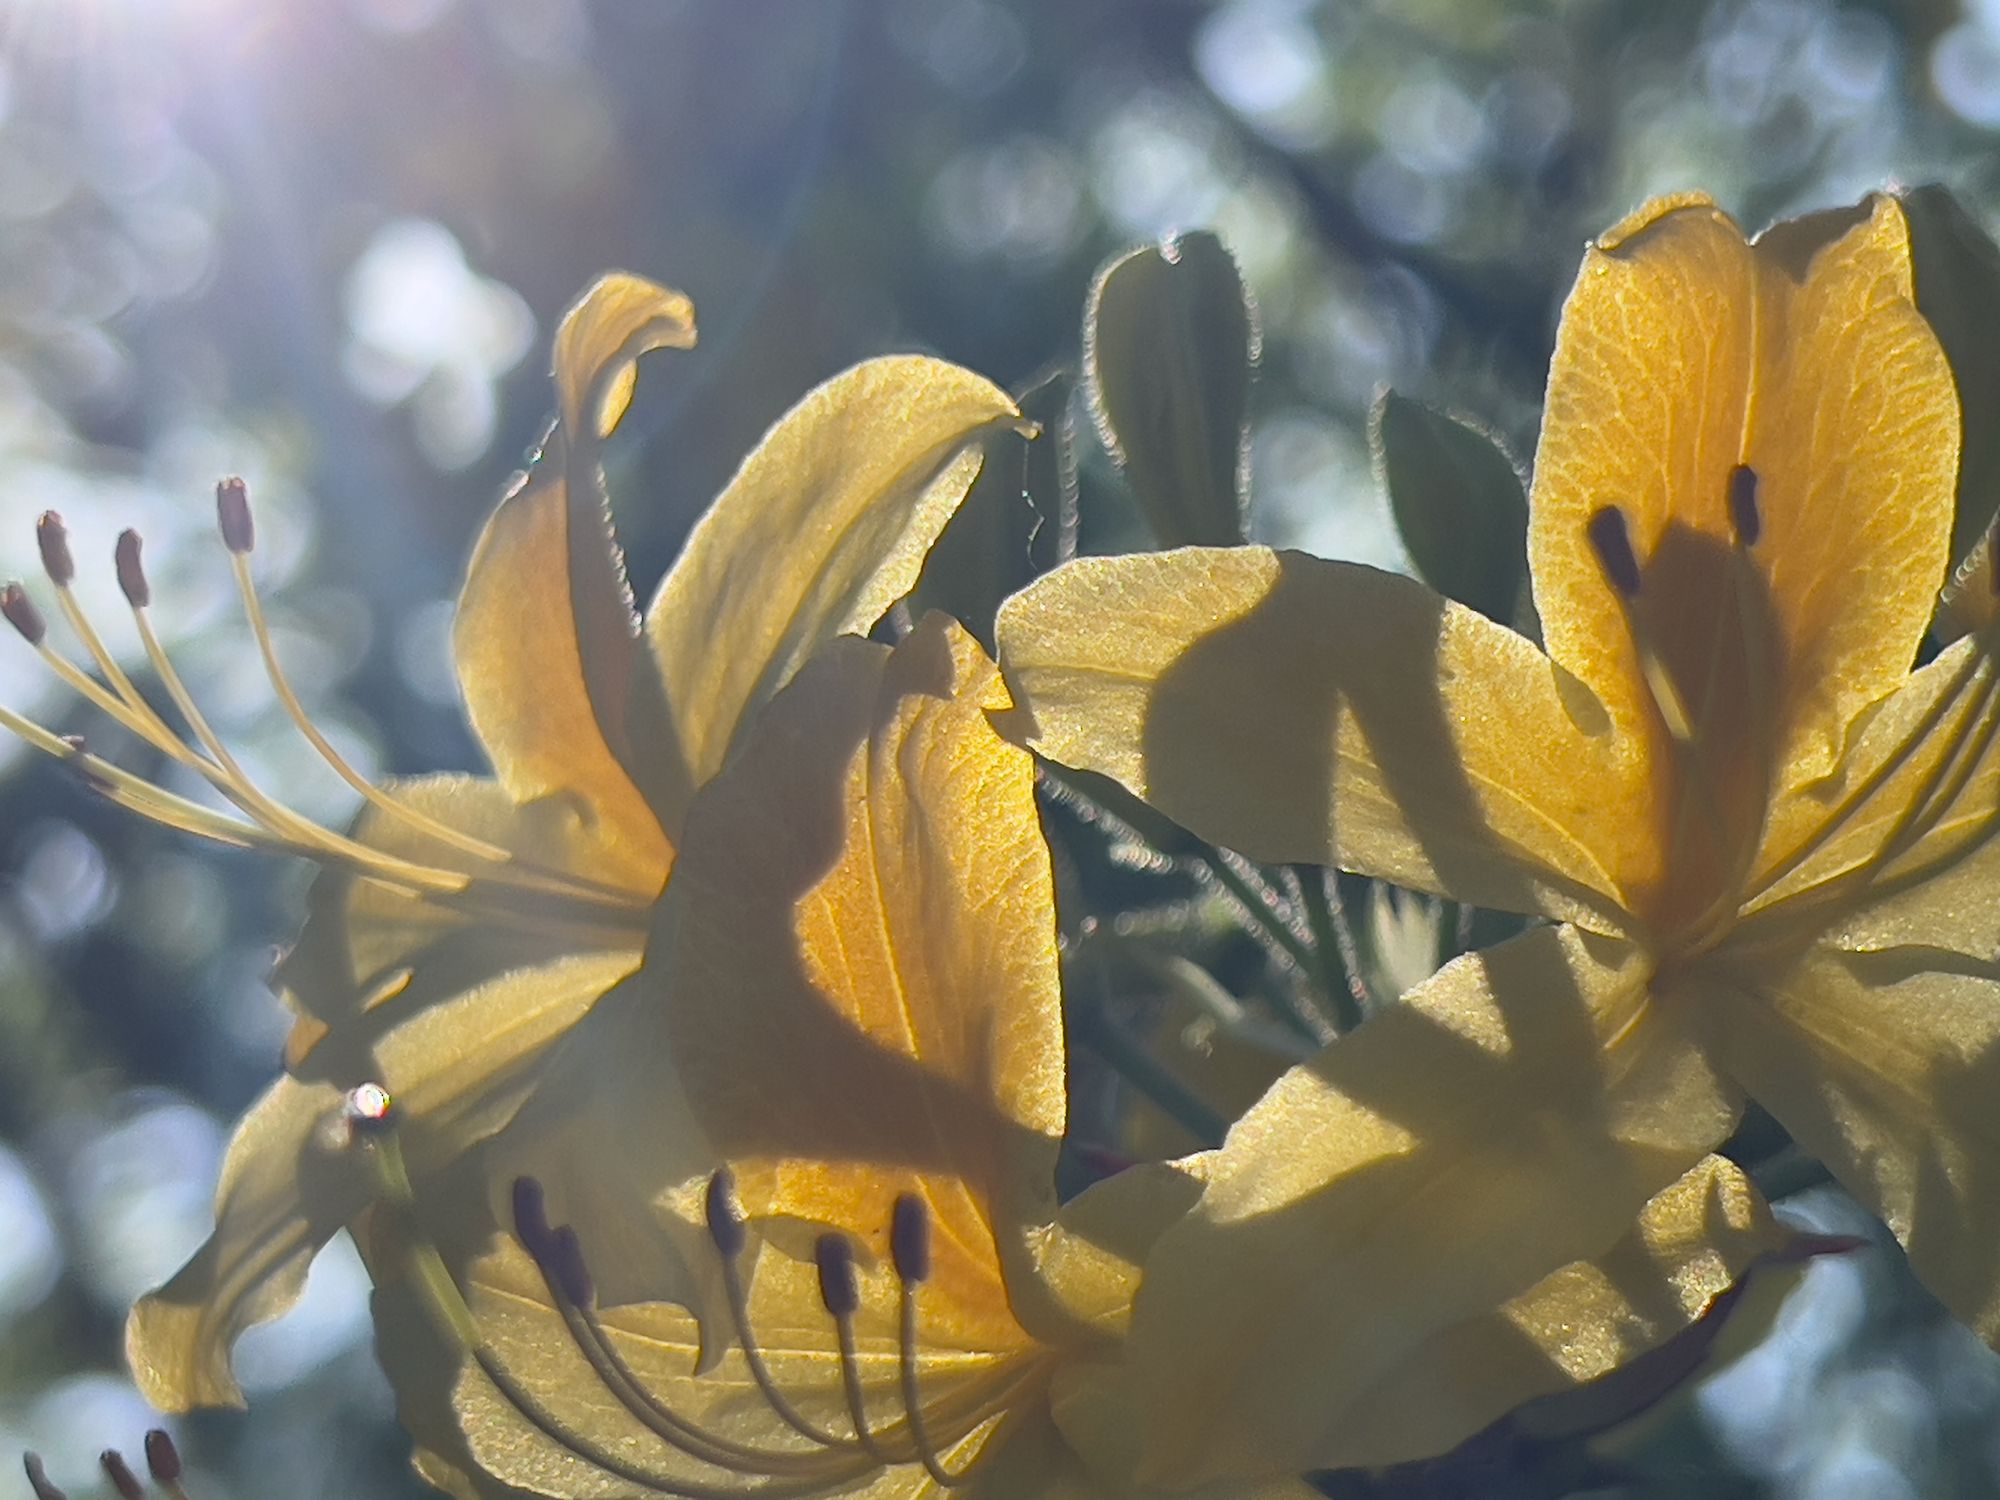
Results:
1170 342
1018 522
1458 500
1958 286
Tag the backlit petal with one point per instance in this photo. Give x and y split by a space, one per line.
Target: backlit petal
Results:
1886 1066
1582 1321
457 1072
825 526
365 946
282 1196
545 638
864 914
1513 1115
1296 709
1684 352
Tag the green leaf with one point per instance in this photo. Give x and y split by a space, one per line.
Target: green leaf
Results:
1458 502
1018 522
1170 342
1958 286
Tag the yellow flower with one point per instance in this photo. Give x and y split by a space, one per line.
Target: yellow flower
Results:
1763 841
837 1094
464 925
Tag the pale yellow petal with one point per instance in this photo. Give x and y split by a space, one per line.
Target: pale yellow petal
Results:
1897 845
545 638
1511 1116
660 1344
825 526
283 1195
864 911
1684 352
1886 1066
1296 709
1580 1322
457 1070
365 945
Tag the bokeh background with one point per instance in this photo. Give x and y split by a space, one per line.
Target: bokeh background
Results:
323 243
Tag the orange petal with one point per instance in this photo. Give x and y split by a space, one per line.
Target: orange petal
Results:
1684 352
860 948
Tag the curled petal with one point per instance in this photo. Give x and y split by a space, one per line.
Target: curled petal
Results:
824 526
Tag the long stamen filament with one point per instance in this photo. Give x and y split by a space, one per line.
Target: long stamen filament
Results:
260 631
910 1249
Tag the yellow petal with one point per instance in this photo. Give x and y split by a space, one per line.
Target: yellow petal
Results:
600 340
1896 845
824 527
1886 1066
864 914
1513 1115
1577 1323
1684 352
545 638
1296 709
365 945
660 1343
457 1071
283 1195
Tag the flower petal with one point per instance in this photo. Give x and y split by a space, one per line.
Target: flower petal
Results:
1896 846
545 637
457 1072
365 945
282 1196
1685 351
1690 1244
1886 1066
1296 709
824 527
1513 1115
864 920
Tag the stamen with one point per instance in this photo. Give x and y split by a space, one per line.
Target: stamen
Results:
38 1479
53 538
910 1248
369 1111
232 498
1744 516
729 1243
1612 543
22 615
131 576
163 1462
833 1254
232 514
121 1476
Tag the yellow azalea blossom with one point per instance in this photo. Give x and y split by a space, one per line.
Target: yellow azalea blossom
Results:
464 924
1762 838
842 1071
